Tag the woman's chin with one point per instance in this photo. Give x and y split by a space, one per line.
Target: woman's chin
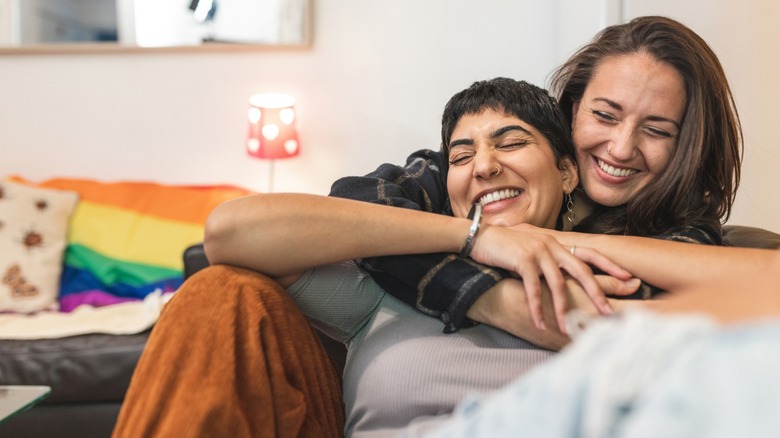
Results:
607 196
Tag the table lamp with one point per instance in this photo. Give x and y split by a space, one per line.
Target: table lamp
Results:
272 133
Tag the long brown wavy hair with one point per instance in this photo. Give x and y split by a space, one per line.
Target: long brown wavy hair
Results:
701 179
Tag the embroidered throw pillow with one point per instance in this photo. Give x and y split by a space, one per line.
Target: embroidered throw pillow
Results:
33 234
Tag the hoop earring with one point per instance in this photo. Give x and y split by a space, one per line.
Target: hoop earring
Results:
569 215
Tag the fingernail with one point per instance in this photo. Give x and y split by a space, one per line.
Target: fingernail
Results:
633 283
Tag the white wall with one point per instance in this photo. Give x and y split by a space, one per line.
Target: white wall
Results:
370 90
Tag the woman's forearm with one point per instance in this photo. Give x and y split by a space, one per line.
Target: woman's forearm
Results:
731 299
673 265
505 306
283 234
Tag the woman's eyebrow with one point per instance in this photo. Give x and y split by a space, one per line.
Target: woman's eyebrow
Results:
611 103
503 130
461 142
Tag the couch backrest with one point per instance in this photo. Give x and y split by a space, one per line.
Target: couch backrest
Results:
750 237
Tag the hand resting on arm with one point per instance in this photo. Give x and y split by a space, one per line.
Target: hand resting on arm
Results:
505 306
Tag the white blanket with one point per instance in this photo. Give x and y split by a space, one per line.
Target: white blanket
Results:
117 319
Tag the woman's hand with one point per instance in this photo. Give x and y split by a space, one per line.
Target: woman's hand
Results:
531 254
506 307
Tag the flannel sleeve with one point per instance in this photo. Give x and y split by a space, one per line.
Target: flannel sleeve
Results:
441 285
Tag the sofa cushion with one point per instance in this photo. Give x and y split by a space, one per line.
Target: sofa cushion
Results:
33 232
86 368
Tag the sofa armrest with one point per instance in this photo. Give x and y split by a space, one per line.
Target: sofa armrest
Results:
194 260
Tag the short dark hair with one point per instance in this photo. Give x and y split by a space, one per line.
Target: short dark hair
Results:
527 102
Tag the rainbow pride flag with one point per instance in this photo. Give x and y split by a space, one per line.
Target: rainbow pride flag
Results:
126 239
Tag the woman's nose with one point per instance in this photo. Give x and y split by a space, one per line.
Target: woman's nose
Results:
623 145
486 165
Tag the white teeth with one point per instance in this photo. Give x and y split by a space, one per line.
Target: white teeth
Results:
613 171
498 195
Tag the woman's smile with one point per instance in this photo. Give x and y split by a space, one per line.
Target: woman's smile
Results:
614 172
498 196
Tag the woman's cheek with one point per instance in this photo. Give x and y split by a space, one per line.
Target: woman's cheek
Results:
587 135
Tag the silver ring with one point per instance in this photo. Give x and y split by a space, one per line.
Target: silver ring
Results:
609 151
573 248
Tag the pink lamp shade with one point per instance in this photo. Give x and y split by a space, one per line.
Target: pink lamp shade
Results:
272 132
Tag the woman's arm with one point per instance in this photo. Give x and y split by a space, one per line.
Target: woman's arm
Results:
732 285
282 235
667 264
506 306
732 296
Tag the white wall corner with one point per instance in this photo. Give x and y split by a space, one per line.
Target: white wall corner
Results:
9 22
577 21
125 22
614 12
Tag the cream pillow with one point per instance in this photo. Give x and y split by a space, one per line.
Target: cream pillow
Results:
33 235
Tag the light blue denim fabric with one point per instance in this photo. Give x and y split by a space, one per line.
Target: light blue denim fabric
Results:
641 375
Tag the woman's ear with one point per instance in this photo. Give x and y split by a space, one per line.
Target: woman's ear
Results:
569 174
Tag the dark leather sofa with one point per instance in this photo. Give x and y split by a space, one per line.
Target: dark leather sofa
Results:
89 374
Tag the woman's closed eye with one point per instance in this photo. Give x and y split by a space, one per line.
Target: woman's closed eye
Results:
658 132
462 157
604 116
655 131
512 144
